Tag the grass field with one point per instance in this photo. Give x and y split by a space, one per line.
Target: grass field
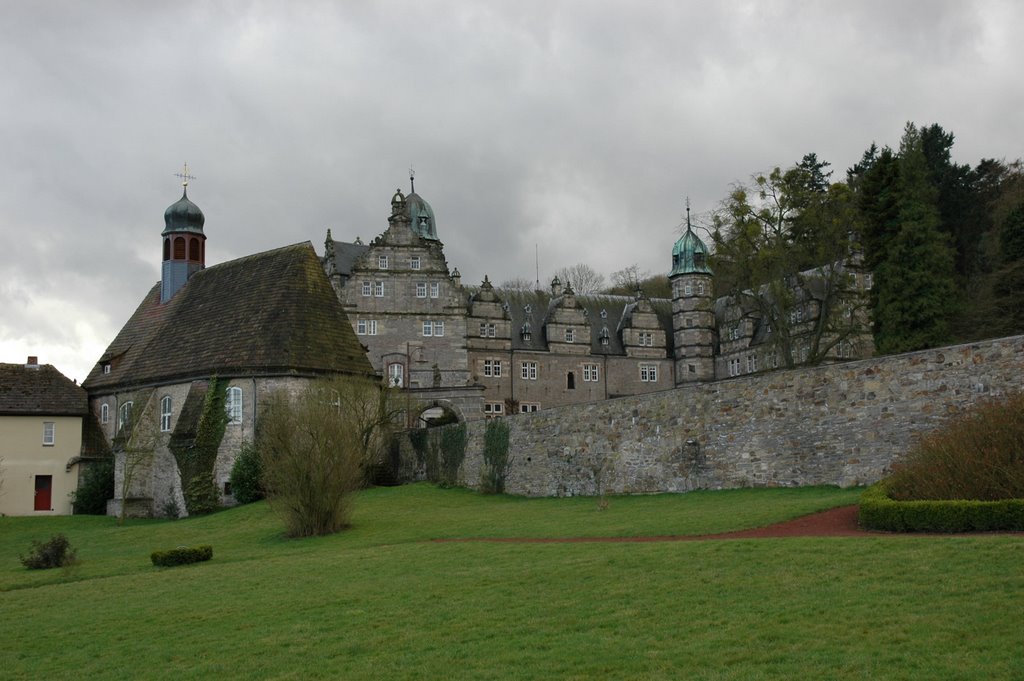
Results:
378 601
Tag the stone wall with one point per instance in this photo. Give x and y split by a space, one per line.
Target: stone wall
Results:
842 424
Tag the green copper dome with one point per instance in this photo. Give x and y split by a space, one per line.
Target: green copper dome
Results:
421 216
183 216
689 255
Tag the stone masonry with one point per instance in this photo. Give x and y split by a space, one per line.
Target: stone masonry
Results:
840 424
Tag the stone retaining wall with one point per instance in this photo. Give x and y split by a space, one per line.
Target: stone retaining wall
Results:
842 424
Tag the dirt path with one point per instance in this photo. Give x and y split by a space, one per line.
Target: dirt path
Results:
836 522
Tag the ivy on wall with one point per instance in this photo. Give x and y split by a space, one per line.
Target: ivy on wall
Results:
196 456
496 458
442 450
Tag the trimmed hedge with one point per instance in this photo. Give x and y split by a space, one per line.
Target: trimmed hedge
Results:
182 555
879 512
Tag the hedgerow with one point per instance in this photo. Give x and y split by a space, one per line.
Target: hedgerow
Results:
878 511
182 555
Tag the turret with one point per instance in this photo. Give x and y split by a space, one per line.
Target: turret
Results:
184 244
693 314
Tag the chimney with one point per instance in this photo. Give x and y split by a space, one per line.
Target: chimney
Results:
32 363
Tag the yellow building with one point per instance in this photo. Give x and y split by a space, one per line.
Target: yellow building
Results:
41 413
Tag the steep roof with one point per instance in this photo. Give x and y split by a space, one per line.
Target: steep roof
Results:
269 313
39 390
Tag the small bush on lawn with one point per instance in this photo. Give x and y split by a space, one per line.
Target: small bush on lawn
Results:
182 555
978 456
54 553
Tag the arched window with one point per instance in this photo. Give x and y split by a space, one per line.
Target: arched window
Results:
104 413
179 248
193 250
165 414
570 381
167 249
396 375
233 405
124 416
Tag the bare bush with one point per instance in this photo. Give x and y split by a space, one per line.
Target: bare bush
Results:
315 447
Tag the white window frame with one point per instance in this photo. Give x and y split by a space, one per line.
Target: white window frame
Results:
49 433
648 373
438 329
570 335
529 371
492 368
233 405
165 414
645 338
591 373
700 288
435 289
528 407
751 364
367 289
421 289
493 409
396 375
414 262
106 368
382 262
104 413
124 414
378 289
687 288
366 327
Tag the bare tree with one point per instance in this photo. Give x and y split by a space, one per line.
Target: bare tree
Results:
518 284
315 447
627 280
134 450
583 278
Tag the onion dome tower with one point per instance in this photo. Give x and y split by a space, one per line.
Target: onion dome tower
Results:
184 242
421 215
693 313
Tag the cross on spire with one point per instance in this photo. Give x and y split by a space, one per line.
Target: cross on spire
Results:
185 177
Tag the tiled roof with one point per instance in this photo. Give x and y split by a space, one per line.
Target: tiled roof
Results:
269 313
39 390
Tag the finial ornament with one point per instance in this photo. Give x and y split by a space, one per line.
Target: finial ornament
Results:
412 180
185 177
687 212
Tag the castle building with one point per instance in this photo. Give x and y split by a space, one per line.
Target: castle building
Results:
482 352
258 324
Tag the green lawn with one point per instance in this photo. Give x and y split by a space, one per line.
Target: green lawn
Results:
380 602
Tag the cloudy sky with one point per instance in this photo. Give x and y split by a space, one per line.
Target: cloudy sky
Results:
576 128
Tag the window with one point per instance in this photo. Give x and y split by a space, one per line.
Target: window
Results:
645 338
868 280
414 262
689 321
104 413
382 262
590 373
734 332
49 432
193 250
366 327
396 375
233 405
687 288
165 414
179 248
528 407
378 289
649 373
367 289
492 367
570 335
106 368
492 409
488 330
124 416
691 368
529 371
774 360
421 289
751 363
435 289
438 328
700 288
432 328
570 381
734 366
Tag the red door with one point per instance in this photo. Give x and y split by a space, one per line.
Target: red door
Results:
44 483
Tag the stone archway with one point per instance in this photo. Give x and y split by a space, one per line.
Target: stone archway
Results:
437 413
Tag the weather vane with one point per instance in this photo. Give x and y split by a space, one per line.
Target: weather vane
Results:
185 177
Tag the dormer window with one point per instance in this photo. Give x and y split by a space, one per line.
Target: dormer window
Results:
382 262
605 336
414 262
570 335
106 368
526 334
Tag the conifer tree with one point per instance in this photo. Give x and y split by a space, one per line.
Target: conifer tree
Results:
915 289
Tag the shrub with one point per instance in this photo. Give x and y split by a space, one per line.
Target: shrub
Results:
314 449
247 475
878 511
978 456
452 453
496 459
182 555
56 552
96 487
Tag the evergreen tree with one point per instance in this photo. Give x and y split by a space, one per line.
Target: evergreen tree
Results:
915 288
